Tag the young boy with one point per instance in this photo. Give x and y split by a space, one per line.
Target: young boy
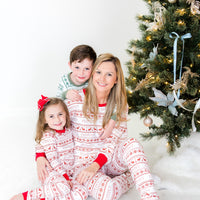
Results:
82 58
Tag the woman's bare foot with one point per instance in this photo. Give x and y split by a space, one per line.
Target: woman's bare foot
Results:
17 197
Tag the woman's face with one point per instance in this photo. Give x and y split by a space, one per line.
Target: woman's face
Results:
105 77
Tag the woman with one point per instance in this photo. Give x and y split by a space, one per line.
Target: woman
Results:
115 155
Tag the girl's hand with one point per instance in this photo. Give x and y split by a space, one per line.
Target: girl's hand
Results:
42 172
17 197
88 173
73 95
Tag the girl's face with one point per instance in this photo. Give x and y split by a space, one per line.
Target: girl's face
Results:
55 117
105 77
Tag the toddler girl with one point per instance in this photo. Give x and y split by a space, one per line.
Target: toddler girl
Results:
54 136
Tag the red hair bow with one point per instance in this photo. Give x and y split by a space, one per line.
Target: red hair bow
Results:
42 102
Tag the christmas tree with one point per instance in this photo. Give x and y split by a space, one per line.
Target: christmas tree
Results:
164 70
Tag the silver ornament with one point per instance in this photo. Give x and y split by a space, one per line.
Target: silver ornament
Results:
148 121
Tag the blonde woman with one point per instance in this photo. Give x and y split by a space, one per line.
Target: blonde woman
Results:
118 156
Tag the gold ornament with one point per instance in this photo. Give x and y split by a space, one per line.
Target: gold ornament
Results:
134 79
130 91
140 17
198 55
169 61
149 75
148 121
166 83
181 23
182 84
148 38
149 78
172 1
180 12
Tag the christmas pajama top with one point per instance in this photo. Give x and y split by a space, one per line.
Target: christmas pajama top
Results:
58 147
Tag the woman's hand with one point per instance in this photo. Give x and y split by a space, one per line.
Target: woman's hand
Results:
107 131
88 173
42 172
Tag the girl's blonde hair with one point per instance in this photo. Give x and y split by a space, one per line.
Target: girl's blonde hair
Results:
42 126
117 99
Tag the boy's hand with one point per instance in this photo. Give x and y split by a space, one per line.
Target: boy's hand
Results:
42 172
73 95
88 173
108 129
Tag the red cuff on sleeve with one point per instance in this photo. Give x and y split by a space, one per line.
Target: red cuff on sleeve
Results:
25 195
101 160
66 176
37 155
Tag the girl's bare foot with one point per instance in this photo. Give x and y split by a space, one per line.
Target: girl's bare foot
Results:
17 197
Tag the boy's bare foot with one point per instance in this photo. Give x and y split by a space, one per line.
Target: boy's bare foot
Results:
17 197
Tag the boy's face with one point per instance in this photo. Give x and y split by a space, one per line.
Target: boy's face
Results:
81 71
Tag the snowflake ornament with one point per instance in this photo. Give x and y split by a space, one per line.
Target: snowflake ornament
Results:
166 101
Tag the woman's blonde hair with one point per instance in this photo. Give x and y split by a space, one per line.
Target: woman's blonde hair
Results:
117 100
42 126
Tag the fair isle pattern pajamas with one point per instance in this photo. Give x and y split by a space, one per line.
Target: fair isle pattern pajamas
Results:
58 147
66 84
123 154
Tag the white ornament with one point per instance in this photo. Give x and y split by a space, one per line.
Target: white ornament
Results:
172 1
148 121
159 19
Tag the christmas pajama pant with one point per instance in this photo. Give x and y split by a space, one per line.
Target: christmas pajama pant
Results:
56 187
129 167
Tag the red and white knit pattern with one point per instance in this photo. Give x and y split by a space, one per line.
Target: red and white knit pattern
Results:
59 150
122 153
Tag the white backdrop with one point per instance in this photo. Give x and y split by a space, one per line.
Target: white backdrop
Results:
37 36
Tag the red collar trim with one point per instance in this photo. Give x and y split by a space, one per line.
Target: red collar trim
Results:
103 105
100 105
60 131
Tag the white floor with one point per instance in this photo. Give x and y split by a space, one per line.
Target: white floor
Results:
177 177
